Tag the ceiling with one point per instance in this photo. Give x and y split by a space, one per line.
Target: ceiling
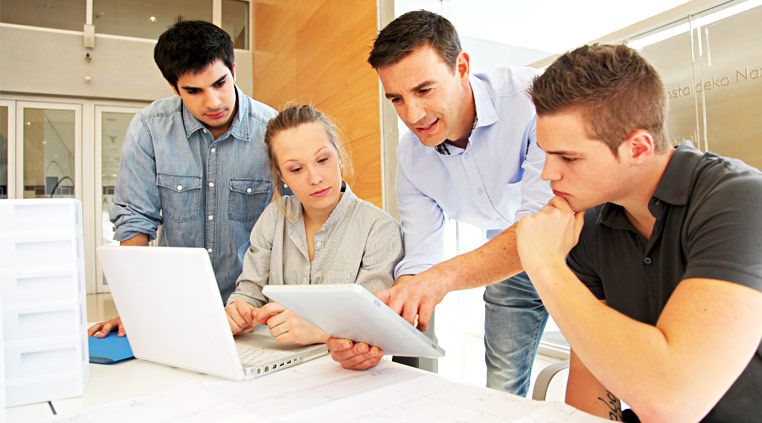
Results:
551 26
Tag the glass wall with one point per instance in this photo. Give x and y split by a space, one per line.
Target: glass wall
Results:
113 127
131 18
58 14
4 152
235 21
49 148
146 18
712 67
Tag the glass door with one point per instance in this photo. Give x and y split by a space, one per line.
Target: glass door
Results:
111 124
7 128
711 64
49 154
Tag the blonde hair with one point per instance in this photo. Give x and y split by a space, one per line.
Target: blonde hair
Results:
292 117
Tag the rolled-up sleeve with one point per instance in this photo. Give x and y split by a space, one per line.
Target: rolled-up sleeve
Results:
535 192
137 203
256 261
383 250
422 228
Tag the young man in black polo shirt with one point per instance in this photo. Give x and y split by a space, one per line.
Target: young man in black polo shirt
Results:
657 285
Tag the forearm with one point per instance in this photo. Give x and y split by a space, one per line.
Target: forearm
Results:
139 240
631 359
586 393
493 262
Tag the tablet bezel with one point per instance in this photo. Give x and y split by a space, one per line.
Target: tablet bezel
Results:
351 311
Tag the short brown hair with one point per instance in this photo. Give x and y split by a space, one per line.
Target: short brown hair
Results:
413 30
613 86
292 117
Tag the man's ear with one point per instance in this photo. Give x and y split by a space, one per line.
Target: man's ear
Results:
639 146
463 65
232 71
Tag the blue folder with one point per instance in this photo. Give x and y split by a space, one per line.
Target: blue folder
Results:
110 349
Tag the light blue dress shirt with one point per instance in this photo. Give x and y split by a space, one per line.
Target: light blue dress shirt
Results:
491 183
204 192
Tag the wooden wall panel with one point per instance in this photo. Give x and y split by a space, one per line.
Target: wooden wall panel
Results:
314 51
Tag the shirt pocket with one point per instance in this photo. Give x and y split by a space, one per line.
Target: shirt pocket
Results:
180 197
248 198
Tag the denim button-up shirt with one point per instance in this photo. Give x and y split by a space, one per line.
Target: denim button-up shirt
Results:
204 192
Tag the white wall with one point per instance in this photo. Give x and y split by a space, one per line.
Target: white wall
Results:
52 62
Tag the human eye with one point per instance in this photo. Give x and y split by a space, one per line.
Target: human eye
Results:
295 169
192 91
219 84
569 159
322 159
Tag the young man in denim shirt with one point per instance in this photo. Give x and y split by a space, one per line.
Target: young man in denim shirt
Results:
194 163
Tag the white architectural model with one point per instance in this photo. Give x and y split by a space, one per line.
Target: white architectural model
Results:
42 298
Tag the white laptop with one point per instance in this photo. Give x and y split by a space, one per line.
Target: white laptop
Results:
170 306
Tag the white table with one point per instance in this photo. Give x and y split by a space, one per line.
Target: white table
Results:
108 383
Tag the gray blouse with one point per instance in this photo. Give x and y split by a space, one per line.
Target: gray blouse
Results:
359 243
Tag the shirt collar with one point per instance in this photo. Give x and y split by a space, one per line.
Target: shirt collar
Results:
239 128
613 216
485 112
673 188
338 211
340 208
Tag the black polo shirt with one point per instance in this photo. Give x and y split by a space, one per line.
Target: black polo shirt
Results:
708 211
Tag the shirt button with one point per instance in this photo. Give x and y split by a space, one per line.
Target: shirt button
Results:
179 187
209 250
205 131
210 217
211 184
213 150
248 190
318 244
467 156
647 260
480 191
499 219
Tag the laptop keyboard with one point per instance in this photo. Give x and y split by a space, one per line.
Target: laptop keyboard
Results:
252 355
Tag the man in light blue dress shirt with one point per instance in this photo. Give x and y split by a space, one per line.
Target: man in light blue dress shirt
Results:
194 164
471 155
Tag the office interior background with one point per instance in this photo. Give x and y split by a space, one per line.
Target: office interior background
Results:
74 72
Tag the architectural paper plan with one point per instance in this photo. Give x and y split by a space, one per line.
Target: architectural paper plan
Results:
320 390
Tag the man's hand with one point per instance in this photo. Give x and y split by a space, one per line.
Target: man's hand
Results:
354 356
100 330
547 236
241 316
415 296
288 328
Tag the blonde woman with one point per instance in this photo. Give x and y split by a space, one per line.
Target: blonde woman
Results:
323 234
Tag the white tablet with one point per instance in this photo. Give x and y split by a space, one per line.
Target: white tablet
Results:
351 311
